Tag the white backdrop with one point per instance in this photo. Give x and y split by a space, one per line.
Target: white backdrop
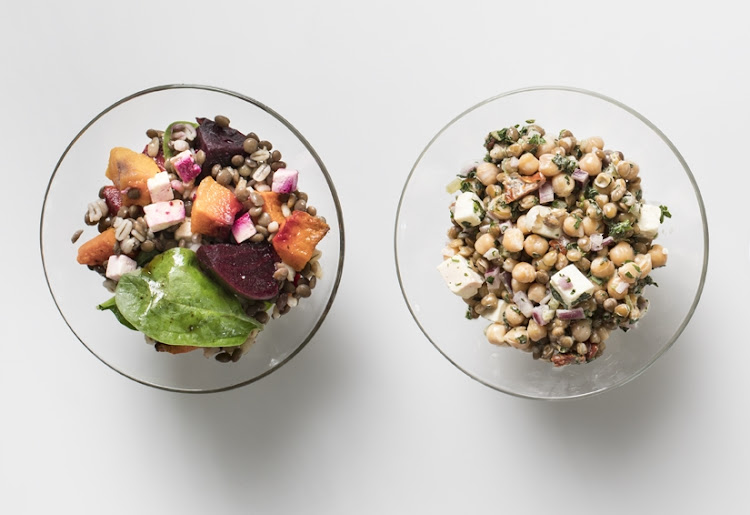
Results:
369 418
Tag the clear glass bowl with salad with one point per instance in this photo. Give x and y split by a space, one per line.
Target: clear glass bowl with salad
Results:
192 238
543 240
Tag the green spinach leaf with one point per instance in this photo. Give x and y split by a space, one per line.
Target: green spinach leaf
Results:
110 305
172 301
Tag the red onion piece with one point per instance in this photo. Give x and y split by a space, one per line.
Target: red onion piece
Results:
609 240
564 282
570 314
523 303
579 175
505 277
546 298
467 167
546 193
596 241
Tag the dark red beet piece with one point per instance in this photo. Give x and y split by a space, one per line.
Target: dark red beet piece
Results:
219 143
113 198
245 269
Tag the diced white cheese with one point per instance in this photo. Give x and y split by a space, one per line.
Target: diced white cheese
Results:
117 266
569 283
468 210
648 220
491 254
460 277
161 215
496 315
185 231
160 187
535 222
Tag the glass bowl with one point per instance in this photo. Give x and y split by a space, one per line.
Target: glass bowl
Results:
77 291
423 220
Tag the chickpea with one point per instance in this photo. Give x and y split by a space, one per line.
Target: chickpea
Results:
498 152
517 285
567 143
589 144
590 226
522 225
535 331
622 310
609 210
600 296
509 164
528 202
515 149
574 255
658 256
513 240
536 292
602 182
573 226
484 243
601 199
487 173
614 284
489 301
500 209
602 267
622 252
629 272
509 264
528 164
495 334
561 262
514 316
518 337
545 148
627 170
550 258
584 243
547 167
581 330
644 263
535 246
563 185
618 190
591 164
566 342
524 272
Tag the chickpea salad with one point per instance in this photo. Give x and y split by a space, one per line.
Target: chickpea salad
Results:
203 238
552 242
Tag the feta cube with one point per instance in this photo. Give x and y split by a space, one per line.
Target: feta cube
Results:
468 210
185 231
648 220
117 266
160 187
460 277
161 215
496 315
491 254
570 285
535 222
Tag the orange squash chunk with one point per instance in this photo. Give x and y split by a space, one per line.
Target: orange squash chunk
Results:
296 240
214 209
128 169
272 205
97 250
174 349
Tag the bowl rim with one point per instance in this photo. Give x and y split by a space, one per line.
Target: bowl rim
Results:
308 147
568 89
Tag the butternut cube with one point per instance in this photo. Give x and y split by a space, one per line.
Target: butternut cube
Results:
214 209
128 169
272 205
296 240
97 250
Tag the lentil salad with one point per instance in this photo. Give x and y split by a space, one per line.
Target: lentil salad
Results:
552 242
211 222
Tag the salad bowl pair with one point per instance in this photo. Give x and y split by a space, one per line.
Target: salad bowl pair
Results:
418 240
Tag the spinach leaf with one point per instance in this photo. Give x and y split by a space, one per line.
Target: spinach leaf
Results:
112 306
172 301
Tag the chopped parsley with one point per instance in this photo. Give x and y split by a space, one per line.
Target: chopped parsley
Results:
578 221
620 229
490 279
537 139
565 164
530 120
664 213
